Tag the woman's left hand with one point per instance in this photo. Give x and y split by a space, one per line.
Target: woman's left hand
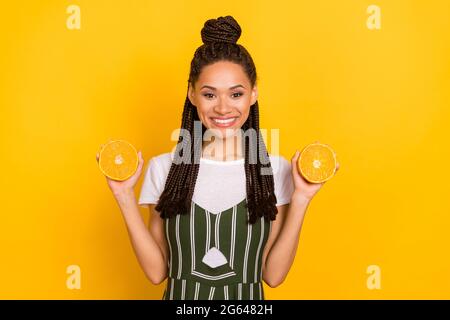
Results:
302 187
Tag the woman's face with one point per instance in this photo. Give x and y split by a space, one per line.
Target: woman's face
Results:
223 96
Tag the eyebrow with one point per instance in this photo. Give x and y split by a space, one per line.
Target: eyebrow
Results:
231 88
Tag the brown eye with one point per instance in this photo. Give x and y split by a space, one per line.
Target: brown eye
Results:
208 95
239 94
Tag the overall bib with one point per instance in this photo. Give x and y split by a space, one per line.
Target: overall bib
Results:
215 256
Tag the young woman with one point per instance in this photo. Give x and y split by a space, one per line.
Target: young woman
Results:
220 225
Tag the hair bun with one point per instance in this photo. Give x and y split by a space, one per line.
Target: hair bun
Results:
222 29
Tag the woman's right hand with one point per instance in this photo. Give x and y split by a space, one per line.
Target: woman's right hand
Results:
120 187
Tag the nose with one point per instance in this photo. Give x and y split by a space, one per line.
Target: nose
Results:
222 108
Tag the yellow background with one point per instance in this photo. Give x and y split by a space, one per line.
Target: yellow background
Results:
380 98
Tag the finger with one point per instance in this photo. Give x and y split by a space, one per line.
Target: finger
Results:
96 157
294 161
337 166
140 160
98 153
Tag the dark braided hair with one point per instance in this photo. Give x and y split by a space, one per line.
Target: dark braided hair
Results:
219 44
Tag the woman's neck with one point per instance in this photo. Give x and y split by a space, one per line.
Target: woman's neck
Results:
226 149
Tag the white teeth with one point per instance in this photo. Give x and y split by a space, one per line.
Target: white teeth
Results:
224 121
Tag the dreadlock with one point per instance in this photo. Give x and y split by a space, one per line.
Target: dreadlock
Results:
219 44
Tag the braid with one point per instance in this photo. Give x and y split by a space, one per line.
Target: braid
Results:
219 44
260 188
175 197
222 29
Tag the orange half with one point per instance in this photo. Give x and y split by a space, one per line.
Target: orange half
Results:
317 162
118 160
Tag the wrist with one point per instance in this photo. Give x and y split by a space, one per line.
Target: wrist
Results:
124 194
298 197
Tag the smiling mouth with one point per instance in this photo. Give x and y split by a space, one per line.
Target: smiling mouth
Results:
224 122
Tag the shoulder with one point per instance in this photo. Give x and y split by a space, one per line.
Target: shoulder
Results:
155 177
162 160
159 165
282 178
279 164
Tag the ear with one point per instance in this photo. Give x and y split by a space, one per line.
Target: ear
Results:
191 95
254 95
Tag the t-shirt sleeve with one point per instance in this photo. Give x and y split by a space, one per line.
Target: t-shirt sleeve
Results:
153 184
283 183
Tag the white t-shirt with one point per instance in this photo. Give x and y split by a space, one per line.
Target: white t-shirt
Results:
220 184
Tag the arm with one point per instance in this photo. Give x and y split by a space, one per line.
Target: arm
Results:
282 243
149 247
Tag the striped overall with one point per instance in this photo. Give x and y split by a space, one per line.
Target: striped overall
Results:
191 236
